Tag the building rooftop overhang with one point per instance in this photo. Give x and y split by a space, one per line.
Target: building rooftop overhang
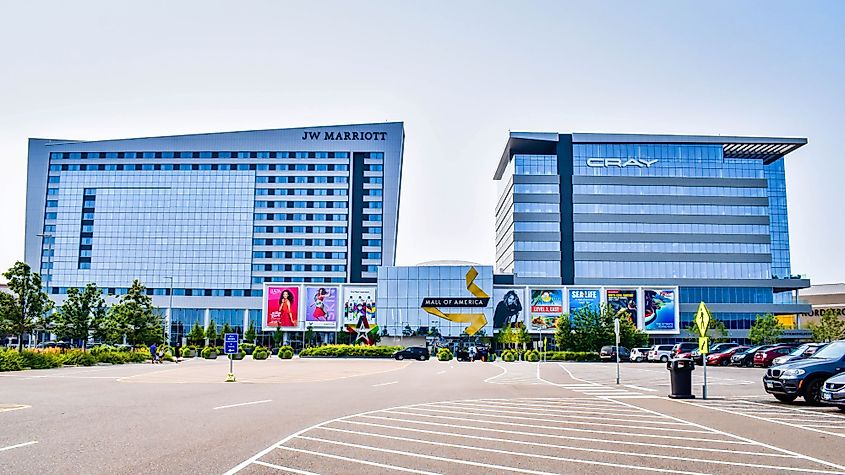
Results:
768 149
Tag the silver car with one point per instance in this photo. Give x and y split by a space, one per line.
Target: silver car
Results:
639 354
833 391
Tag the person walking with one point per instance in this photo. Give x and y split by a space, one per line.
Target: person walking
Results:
178 350
153 353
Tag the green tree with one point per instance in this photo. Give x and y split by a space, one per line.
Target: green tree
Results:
563 333
766 329
226 329
278 337
309 336
79 314
829 328
197 335
211 333
249 335
630 336
506 337
27 306
590 329
135 317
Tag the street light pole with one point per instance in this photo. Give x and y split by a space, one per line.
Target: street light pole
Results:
169 320
49 243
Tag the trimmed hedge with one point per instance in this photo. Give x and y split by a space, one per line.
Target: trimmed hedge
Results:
509 356
260 353
491 357
444 354
349 351
209 353
532 356
11 360
572 356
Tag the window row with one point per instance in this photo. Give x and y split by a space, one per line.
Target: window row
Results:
301 229
310 217
671 270
113 155
670 209
536 208
668 190
685 228
302 254
305 204
298 268
539 188
298 242
176 291
726 295
694 247
301 179
327 280
298 192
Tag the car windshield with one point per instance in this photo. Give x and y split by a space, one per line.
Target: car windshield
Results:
800 350
834 350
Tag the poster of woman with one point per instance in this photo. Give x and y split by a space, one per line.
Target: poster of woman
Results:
321 306
508 310
281 307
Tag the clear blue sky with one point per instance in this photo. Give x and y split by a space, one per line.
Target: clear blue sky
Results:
459 74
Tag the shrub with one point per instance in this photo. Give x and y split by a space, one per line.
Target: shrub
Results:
209 353
113 357
260 353
79 358
248 348
491 357
138 356
572 356
532 356
285 353
349 351
444 354
10 360
509 356
285 348
38 359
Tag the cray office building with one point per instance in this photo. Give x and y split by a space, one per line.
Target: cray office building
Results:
206 221
702 217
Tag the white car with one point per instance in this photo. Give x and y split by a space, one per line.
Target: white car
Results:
639 354
662 353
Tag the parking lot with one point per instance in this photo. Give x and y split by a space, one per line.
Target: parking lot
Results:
383 416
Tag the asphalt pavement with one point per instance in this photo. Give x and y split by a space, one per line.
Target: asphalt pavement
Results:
382 416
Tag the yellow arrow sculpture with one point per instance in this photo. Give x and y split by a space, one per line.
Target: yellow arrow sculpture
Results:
476 320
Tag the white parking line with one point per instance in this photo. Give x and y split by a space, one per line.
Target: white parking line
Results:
285 469
350 459
685 447
767 419
385 384
639 387
10 447
242 404
14 407
442 372
569 414
487 465
555 446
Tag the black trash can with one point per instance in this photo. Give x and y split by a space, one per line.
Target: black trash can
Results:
680 371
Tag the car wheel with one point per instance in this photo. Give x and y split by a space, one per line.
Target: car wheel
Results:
400 357
841 408
812 392
421 358
664 359
784 397
724 363
749 364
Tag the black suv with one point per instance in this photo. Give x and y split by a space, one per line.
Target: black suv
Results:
806 377
413 353
746 358
608 353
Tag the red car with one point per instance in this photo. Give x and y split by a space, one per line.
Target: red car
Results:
763 359
724 358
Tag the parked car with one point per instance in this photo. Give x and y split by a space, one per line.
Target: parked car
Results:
764 358
804 351
412 353
833 391
746 358
53 344
684 347
721 347
608 353
690 355
639 354
724 358
662 353
805 378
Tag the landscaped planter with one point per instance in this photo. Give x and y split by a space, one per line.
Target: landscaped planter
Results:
238 356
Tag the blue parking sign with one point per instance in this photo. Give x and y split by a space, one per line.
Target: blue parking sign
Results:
230 343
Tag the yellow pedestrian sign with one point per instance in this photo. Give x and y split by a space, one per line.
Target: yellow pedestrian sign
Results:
703 344
702 319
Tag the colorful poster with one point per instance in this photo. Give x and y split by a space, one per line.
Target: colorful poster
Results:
623 302
281 307
359 313
508 307
546 308
580 299
659 312
321 306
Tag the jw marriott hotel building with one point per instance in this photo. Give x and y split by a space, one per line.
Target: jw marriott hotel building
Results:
215 216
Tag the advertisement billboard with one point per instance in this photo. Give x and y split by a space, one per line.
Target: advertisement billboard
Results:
507 302
660 311
580 299
623 302
281 307
358 303
546 308
321 307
